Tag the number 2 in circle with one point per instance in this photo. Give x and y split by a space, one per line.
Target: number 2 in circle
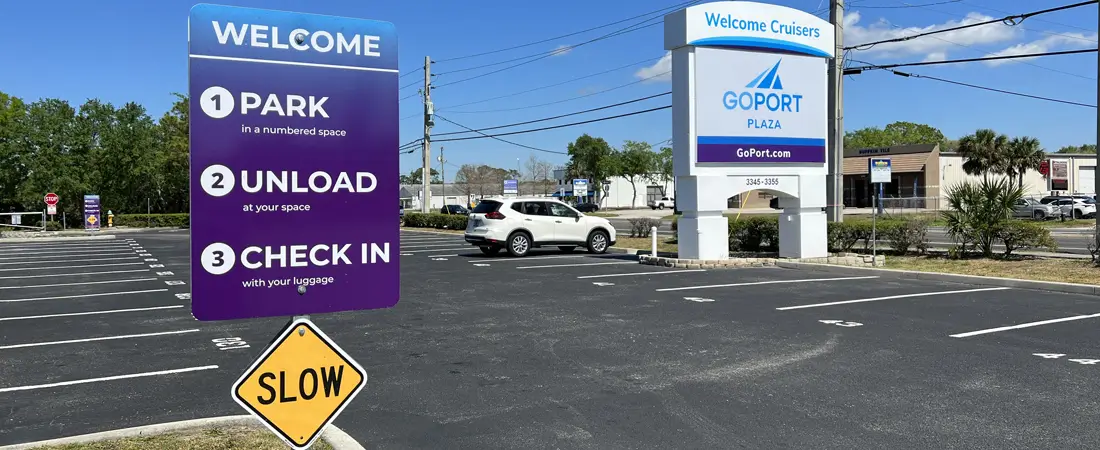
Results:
218 179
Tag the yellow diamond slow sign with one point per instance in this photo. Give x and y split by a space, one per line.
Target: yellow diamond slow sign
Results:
300 384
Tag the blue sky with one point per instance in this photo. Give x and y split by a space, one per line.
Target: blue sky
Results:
128 50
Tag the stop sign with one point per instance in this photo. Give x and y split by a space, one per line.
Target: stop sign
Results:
51 199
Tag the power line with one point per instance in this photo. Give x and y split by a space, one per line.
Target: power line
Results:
988 58
1008 20
497 138
906 5
559 116
975 86
418 69
601 119
544 55
1039 20
414 83
647 60
1051 33
567 99
543 41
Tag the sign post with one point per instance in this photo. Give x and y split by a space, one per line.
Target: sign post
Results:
91 212
294 118
880 175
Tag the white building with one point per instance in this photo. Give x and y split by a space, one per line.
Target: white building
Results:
618 192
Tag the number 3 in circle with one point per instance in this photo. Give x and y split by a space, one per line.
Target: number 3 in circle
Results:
218 258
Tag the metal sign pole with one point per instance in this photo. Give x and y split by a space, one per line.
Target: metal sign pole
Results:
874 226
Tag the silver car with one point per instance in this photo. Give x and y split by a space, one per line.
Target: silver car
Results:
1031 208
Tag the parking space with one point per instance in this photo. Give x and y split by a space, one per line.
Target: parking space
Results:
102 328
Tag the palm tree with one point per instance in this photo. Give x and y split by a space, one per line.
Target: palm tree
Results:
1021 155
984 153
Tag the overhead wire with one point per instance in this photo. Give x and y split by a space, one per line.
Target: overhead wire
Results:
497 138
975 86
558 116
1011 20
565 100
905 5
966 60
601 119
543 41
1037 20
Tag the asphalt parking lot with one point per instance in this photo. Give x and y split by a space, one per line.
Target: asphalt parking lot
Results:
570 351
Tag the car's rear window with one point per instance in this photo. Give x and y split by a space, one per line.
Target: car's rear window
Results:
486 206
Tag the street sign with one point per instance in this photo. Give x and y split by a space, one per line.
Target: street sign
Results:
51 209
299 384
511 187
91 212
51 199
580 188
294 122
880 170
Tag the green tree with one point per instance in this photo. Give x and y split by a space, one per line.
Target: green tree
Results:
13 172
1087 148
983 153
173 182
978 212
415 176
637 162
664 167
1022 154
593 159
897 133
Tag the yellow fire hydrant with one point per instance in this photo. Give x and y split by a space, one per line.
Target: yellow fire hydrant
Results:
110 219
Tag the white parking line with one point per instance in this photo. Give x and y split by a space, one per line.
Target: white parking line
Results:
111 378
441 256
892 297
550 266
132 280
79 254
37 247
532 258
89 313
429 245
101 294
438 249
70 260
1024 325
73 274
105 338
430 239
652 272
756 283
72 267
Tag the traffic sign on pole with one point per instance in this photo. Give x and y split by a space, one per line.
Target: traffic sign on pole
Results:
294 122
299 384
51 199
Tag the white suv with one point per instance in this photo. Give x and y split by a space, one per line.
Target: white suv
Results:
520 224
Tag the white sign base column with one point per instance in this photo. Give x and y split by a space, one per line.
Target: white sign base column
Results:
803 225
702 232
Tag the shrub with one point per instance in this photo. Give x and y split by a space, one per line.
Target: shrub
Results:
675 220
978 211
435 220
843 236
53 226
153 220
905 234
641 227
754 234
1018 235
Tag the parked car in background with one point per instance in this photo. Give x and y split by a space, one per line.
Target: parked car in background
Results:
664 202
402 214
520 224
1031 208
587 207
1077 208
1053 198
454 209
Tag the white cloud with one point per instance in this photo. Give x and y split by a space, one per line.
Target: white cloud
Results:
657 72
561 50
1065 41
930 48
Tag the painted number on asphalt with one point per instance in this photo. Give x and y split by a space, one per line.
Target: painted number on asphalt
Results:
1082 361
184 296
481 264
145 254
173 282
602 283
1050 355
698 299
229 343
163 274
841 323
439 259
156 266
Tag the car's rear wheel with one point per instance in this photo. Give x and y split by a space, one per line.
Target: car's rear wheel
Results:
598 242
1039 215
662 206
489 249
1077 214
519 243
567 248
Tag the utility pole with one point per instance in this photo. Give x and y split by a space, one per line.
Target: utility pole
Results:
443 178
834 180
426 205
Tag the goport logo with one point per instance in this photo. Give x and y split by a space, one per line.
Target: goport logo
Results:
756 96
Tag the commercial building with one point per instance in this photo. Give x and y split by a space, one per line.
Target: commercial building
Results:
618 192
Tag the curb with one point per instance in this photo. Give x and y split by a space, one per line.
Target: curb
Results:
1049 286
57 238
334 436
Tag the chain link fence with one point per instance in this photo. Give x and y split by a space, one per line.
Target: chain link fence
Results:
911 205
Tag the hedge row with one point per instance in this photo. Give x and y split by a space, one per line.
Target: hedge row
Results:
152 220
435 220
761 234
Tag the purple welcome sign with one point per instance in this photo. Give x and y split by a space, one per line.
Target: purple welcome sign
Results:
294 132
